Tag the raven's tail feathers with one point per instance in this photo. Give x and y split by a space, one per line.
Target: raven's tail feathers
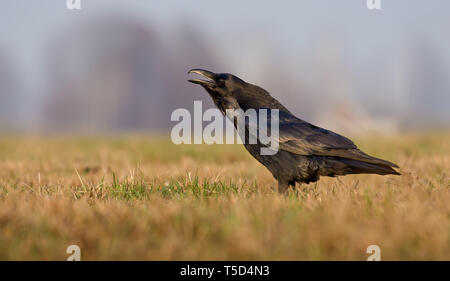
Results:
361 167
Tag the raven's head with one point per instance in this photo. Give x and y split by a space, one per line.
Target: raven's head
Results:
231 92
222 87
222 84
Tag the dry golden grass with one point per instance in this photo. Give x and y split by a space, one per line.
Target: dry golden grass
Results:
143 198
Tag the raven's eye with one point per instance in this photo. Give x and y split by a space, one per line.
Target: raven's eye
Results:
220 82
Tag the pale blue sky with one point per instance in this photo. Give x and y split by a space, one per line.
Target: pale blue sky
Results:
26 25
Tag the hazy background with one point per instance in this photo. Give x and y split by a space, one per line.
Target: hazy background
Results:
121 65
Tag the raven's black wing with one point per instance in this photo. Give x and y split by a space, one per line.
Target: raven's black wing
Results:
300 137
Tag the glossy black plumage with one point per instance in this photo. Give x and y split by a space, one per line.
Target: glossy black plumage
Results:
306 152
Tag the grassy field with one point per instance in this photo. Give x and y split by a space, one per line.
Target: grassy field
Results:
143 198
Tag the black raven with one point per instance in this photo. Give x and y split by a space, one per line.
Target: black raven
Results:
305 152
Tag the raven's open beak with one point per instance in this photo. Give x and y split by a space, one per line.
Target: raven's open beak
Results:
210 83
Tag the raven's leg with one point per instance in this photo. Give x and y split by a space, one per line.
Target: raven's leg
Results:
283 187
